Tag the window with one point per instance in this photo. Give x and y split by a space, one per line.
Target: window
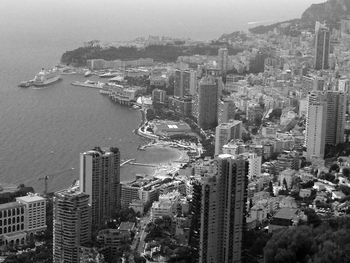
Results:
9 221
5 213
22 226
13 228
9 212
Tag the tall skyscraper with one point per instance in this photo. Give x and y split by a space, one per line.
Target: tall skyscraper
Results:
223 60
316 125
71 225
226 110
336 110
322 46
218 211
226 132
185 82
100 179
207 102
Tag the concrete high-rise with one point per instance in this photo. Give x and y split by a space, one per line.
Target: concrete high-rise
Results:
71 225
226 132
185 82
315 136
207 102
100 179
322 46
336 110
223 60
226 110
218 211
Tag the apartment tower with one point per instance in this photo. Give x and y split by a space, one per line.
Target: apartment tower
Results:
100 179
71 224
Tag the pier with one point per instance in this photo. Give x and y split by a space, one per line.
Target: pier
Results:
142 164
126 162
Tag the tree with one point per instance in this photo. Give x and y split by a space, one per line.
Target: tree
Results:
334 167
346 172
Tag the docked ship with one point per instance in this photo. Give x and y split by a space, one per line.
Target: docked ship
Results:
46 77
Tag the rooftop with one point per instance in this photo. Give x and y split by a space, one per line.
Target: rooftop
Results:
126 226
286 213
10 205
30 198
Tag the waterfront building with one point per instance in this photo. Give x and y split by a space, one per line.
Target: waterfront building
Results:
185 82
158 96
35 213
226 110
322 46
207 104
223 60
316 125
100 179
71 224
12 219
226 132
20 220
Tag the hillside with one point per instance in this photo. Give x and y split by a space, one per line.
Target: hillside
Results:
167 53
331 11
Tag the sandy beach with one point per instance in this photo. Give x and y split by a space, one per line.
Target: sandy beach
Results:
171 166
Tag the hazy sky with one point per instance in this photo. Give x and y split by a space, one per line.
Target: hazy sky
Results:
72 21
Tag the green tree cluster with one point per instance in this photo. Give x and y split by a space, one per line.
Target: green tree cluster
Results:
329 242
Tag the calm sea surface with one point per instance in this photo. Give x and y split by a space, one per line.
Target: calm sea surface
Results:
43 131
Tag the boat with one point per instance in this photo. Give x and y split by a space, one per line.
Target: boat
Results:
46 77
89 84
87 73
108 75
25 84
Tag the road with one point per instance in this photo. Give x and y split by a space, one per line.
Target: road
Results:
139 239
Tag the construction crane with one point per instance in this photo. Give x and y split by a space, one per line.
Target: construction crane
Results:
46 178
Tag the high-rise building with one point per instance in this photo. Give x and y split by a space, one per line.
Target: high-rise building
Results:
71 224
226 110
232 197
218 210
100 179
316 125
223 59
207 102
325 122
322 46
185 82
226 132
158 96
336 110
